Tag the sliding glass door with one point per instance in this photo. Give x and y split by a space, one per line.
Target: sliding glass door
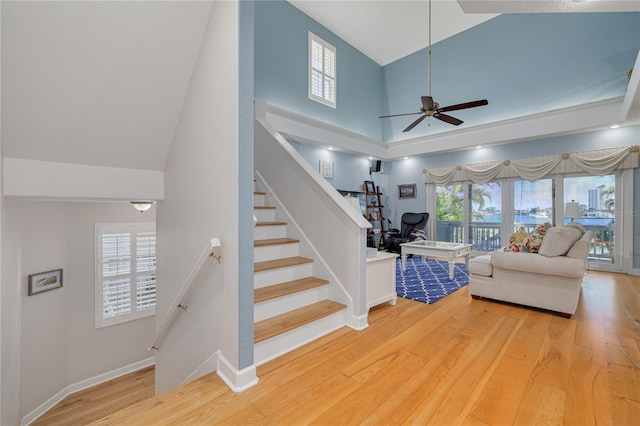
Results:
532 204
596 196
485 216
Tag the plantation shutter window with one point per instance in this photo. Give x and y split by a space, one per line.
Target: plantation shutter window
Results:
322 71
125 273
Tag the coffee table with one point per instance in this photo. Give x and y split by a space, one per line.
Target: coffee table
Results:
436 248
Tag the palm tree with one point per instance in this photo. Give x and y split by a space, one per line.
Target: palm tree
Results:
450 201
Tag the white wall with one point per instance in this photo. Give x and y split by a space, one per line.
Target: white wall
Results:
201 202
10 307
60 345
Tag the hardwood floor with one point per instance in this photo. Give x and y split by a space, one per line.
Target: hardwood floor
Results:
458 361
91 404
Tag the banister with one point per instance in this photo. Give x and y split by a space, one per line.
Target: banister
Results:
185 290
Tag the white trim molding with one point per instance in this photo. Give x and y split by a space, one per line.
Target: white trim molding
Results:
237 380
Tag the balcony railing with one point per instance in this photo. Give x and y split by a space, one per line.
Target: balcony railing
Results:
486 236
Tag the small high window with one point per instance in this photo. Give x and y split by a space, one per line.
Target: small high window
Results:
125 272
322 71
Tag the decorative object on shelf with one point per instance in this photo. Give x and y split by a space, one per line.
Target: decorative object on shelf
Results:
407 190
326 169
142 205
369 187
45 281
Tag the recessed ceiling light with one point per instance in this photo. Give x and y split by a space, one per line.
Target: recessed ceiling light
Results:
406 158
331 148
615 126
478 146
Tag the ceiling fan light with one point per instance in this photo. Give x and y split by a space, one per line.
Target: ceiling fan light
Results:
142 205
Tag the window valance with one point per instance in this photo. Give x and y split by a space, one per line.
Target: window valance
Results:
599 162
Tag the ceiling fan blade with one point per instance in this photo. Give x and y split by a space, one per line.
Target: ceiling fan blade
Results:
464 105
415 123
427 103
448 119
398 115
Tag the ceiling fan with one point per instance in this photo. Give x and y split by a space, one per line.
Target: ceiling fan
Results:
430 108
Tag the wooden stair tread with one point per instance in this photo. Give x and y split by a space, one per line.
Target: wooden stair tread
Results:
270 223
271 327
274 242
264 207
280 263
259 193
289 287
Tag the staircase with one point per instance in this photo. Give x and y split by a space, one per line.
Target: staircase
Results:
291 306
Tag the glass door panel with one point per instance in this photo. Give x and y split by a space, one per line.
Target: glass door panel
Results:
486 217
596 196
532 204
449 213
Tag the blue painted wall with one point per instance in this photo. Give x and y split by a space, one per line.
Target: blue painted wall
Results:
350 171
517 62
281 69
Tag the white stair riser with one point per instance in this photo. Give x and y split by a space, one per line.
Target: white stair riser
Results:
265 215
280 275
258 199
274 347
277 251
273 307
266 232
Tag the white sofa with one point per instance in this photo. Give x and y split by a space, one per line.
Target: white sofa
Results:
549 282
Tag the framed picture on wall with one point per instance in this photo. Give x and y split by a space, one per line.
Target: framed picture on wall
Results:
407 190
45 281
369 186
326 169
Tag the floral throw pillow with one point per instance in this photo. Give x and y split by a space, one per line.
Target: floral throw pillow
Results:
516 240
535 237
521 241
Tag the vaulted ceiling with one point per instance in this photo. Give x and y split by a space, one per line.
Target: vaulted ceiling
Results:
102 83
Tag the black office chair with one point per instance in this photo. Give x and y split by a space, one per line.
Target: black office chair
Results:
411 229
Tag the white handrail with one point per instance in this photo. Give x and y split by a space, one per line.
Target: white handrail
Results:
185 291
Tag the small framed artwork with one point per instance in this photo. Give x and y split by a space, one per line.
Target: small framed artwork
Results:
45 281
369 186
326 169
407 190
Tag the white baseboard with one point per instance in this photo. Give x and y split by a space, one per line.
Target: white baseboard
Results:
237 380
84 384
358 322
635 271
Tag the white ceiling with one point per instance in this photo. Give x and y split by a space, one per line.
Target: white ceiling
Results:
98 83
388 30
102 83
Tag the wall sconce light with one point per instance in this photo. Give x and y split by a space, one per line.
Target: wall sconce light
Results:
142 206
572 210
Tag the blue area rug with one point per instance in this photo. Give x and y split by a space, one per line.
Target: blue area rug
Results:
429 283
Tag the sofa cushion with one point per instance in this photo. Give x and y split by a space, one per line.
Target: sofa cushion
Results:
576 225
580 250
558 240
536 264
481 265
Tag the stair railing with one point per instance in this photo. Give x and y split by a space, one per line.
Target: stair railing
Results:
178 303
